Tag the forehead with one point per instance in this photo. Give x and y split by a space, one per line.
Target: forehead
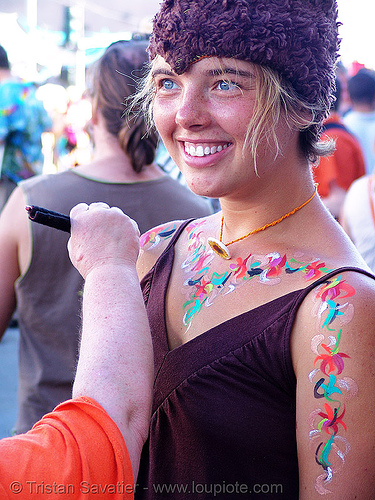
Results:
210 66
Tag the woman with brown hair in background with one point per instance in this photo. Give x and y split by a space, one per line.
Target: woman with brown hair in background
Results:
36 275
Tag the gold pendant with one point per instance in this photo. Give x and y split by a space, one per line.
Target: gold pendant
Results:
219 248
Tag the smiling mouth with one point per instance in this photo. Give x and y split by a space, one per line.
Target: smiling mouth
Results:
204 149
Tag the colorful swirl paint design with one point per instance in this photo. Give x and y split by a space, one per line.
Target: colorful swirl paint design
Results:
202 285
330 385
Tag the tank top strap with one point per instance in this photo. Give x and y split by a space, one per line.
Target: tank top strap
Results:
176 235
338 271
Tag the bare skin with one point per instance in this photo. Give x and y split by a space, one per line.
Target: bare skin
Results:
107 261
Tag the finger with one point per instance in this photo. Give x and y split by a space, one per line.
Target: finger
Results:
135 225
133 222
97 205
81 207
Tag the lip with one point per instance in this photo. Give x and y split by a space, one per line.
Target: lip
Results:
202 158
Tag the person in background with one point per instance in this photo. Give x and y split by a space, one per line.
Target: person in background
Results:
360 120
358 217
334 174
342 74
36 276
23 120
89 446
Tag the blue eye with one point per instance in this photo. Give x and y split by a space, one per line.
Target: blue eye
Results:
225 85
168 84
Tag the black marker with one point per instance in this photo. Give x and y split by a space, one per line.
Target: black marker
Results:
49 218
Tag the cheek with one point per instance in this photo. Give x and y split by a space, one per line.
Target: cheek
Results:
164 119
235 119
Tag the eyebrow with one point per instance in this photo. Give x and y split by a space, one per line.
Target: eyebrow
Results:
230 71
210 72
162 71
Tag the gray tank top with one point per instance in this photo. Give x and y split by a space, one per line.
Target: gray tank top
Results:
48 295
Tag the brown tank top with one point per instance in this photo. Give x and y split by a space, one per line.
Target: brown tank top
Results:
224 407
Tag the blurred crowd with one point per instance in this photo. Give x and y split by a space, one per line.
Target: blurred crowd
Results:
346 177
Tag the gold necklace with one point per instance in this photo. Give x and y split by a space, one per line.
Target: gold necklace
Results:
221 248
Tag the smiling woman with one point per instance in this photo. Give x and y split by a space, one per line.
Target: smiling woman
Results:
272 96
261 376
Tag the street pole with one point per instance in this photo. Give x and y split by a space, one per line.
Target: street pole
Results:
78 34
32 24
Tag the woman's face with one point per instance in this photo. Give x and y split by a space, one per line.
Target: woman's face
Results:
202 117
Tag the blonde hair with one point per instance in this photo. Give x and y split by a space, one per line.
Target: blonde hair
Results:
274 97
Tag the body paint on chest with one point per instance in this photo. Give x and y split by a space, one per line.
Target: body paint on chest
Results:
202 286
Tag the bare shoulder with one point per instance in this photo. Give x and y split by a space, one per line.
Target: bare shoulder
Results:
333 342
14 216
153 243
334 302
15 230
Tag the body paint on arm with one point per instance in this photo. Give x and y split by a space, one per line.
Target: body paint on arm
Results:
331 386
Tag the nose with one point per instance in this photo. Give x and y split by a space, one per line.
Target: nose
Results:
193 111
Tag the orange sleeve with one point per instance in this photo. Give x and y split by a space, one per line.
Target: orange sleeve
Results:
349 160
324 173
75 452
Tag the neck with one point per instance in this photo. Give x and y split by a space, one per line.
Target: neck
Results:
5 74
111 163
267 205
107 145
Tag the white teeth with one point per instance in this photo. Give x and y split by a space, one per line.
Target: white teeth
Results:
203 151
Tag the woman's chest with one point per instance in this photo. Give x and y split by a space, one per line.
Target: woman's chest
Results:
206 291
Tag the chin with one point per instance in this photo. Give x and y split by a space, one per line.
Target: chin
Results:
202 184
207 192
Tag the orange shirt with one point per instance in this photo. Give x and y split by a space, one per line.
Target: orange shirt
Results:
74 452
345 165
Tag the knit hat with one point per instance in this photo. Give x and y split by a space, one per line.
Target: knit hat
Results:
296 38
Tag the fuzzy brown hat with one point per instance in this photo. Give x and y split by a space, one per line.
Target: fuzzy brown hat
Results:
296 38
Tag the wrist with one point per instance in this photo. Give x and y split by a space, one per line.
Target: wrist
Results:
109 265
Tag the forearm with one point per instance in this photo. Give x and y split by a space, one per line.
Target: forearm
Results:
116 360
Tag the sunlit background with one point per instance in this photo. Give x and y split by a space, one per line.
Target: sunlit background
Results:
53 42
357 31
34 32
